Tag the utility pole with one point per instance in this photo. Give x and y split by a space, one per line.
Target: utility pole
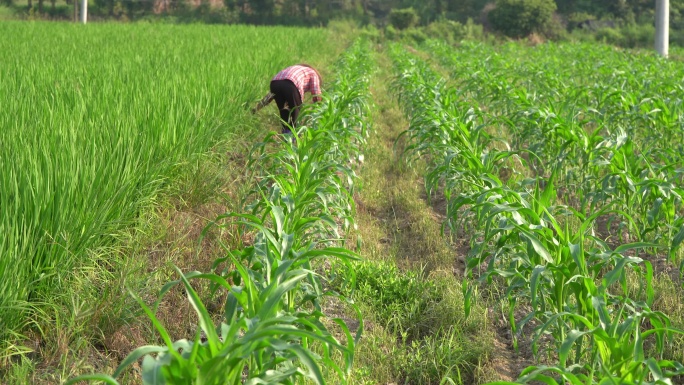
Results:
662 36
84 11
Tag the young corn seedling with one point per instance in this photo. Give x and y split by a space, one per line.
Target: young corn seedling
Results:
526 239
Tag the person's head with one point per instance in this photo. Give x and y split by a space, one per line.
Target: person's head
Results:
320 79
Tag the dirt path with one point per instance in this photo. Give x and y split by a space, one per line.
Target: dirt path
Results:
392 200
396 221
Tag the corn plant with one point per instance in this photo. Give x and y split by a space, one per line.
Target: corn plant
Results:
607 132
257 340
524 238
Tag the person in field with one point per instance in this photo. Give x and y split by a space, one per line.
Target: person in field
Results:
287 88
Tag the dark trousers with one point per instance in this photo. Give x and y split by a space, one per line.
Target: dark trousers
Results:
288 100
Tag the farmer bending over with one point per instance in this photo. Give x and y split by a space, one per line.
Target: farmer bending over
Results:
288 88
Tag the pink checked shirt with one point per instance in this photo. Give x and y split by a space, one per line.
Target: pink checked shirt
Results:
303 77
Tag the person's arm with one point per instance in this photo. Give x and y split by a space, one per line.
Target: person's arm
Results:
264 102
316 88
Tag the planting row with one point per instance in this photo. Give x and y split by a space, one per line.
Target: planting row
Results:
274 328
576 288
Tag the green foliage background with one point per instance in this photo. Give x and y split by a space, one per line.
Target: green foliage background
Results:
519 18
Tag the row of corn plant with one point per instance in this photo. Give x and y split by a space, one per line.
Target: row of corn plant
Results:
601 146
273 327
574 283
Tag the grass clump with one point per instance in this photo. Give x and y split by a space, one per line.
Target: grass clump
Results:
431 339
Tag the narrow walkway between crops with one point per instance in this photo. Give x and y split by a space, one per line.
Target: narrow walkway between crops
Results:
397 223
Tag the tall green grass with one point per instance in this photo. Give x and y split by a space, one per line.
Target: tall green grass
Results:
95 119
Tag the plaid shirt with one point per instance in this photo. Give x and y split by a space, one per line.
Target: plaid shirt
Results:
305 78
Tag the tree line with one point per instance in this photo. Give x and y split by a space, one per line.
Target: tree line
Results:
319 12
304 11
316 11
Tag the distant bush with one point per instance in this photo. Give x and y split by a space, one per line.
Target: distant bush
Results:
450 31
677 37
576 19
391 33
580 35
7 13
371 33
447 30
609 36
474 31
629 36
555 29
415 34
519 18
344 26
638 35
403 18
